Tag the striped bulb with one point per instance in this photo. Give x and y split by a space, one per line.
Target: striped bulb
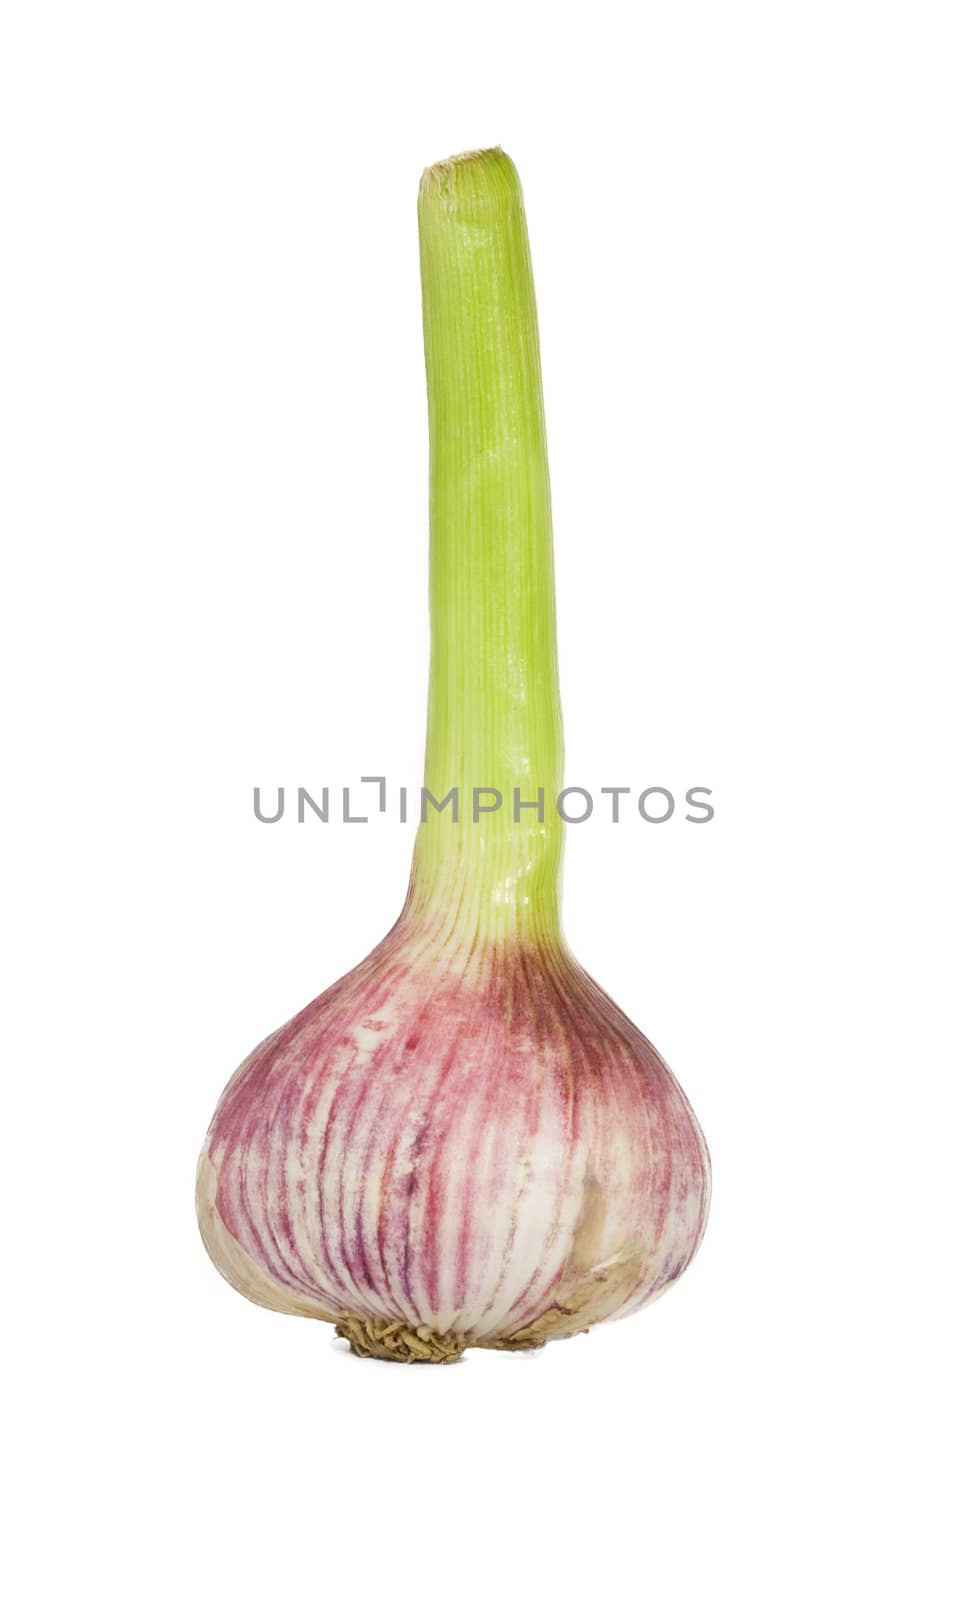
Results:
464 1142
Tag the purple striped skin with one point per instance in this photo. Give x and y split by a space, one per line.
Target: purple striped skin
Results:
468 1138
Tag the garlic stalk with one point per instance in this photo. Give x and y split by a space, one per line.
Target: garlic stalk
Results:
464 1141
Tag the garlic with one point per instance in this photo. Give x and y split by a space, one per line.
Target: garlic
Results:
464 1142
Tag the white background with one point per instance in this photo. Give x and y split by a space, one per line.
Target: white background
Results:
743 221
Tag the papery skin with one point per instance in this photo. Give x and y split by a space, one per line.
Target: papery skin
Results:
482 1146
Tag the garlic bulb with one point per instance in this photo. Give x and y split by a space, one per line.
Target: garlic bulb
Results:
464 1142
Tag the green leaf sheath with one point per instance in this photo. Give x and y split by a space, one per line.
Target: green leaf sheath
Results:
494 710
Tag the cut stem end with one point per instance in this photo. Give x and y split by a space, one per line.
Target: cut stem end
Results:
477 180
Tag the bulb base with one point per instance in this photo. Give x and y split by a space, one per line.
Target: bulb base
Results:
396 1341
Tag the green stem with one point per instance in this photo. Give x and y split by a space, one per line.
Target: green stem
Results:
494 711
